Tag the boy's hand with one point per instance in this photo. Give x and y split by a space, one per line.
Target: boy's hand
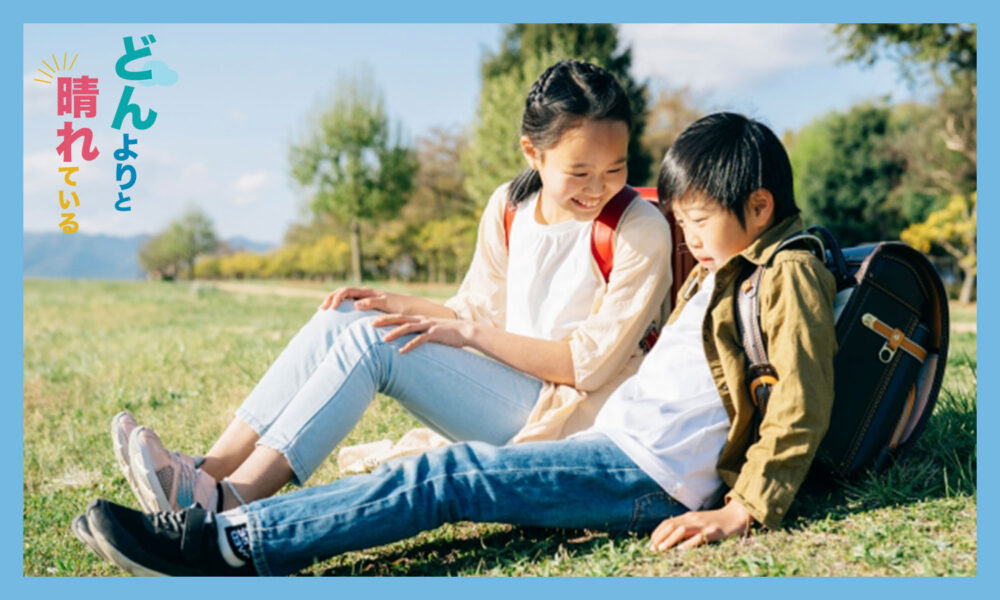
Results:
364 299
699 527
451 332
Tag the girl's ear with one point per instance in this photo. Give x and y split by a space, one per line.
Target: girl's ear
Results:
531 154
760 208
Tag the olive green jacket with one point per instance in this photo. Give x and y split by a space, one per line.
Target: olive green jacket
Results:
796 306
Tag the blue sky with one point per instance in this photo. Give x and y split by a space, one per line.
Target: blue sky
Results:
246 91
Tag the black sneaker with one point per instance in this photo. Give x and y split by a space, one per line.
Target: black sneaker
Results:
166 543
81 529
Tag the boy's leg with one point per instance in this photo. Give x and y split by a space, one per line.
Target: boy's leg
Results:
571 483
462 395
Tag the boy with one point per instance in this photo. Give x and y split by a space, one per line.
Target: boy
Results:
664 446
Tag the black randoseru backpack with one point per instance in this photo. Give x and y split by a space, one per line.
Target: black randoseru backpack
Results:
891 316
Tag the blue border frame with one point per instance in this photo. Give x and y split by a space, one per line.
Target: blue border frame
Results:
296 11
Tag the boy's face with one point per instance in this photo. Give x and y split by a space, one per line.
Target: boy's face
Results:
713 234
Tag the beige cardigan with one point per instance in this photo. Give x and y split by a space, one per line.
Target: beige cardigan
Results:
605 347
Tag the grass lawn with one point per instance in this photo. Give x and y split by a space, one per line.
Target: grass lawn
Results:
182 357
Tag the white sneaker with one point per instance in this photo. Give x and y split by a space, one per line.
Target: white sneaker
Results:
122 426
168 481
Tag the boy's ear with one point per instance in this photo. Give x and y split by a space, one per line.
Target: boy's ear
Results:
531 154
760 208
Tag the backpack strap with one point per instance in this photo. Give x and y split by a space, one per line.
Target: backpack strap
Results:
806 239
508 220
602 234
761 375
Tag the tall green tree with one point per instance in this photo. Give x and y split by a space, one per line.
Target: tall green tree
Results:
526 50
915 46
845 172
947 53
353 163
937 141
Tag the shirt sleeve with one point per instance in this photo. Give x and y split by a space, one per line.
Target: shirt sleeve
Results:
482 297
796 304
637 286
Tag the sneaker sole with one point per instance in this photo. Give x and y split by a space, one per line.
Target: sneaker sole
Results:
148 486
113 555
121 450
82 532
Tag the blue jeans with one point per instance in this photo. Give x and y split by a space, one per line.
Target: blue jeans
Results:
572 483
321 383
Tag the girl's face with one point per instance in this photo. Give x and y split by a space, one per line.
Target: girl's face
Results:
582 172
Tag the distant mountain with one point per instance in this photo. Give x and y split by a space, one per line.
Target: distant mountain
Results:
242 243
82 255
87 256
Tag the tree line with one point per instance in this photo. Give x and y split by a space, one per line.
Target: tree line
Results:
382 208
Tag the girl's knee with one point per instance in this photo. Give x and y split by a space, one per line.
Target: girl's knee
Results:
365 334
335 319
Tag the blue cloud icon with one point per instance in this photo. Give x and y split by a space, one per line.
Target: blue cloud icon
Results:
162 74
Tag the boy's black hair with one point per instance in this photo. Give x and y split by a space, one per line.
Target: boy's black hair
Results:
566 93
726 157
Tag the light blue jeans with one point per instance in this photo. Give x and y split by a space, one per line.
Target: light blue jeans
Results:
572 483
321 383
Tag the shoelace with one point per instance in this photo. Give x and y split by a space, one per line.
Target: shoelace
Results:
188 525
171 521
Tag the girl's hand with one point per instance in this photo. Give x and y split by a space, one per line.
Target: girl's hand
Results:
365 299
451 332
700 527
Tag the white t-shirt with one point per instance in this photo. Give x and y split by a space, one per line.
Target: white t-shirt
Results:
668 417
552 283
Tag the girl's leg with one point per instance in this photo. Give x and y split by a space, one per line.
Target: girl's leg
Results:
260 476
572 483
464 396
229 451
278 386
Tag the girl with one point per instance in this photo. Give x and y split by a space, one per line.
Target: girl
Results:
557 337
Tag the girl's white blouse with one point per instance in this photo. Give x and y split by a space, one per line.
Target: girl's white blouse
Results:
551 284
605 343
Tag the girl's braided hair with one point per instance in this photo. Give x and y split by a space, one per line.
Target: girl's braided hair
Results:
565 94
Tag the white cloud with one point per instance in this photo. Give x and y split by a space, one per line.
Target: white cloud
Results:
716 57
248 185
41 172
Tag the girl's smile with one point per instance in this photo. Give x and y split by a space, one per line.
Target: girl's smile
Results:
582 171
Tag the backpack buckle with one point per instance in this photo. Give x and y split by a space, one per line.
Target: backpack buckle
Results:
886 353
894 340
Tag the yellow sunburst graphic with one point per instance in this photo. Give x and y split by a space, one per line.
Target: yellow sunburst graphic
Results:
51 70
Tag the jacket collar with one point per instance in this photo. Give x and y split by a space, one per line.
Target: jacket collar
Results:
760 251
